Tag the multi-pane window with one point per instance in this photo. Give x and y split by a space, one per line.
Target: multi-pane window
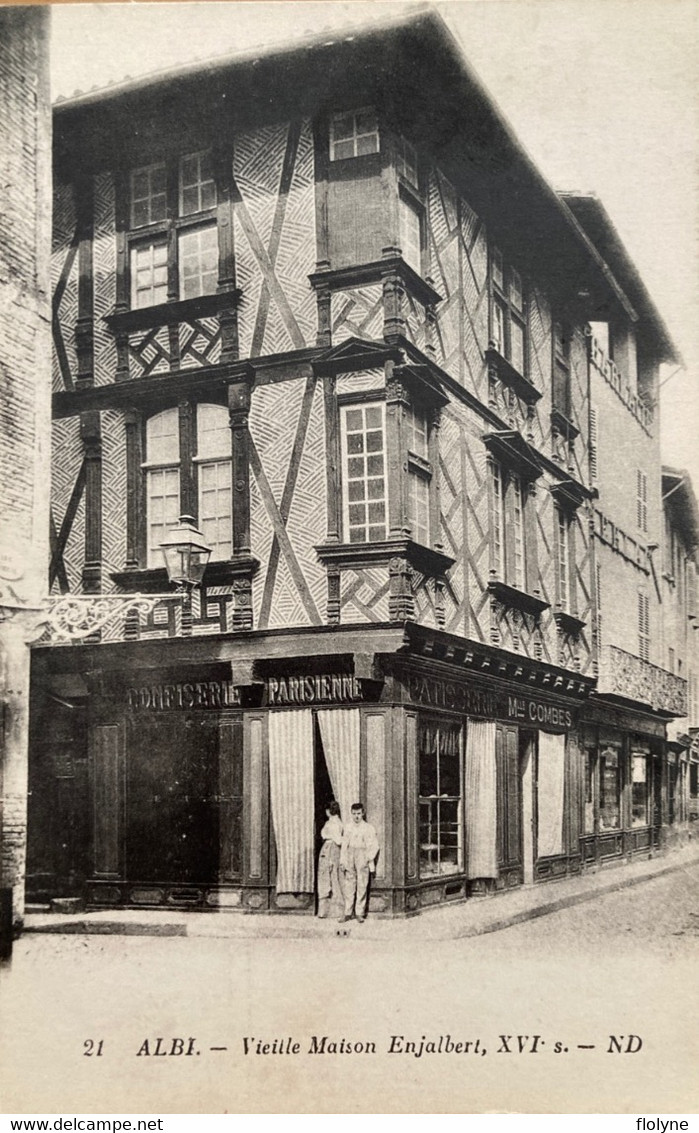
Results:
419 475
198 261
364 473
354 134
589 787
148 195
440 777
509 319
197 186
148 274
162 480
406 161
509 533
642 500
410 233
561 369
214 475
643 627
640 794
564 560
186 235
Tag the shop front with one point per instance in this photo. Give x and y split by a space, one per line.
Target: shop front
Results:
204 783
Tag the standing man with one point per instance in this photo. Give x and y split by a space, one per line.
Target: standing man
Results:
357 860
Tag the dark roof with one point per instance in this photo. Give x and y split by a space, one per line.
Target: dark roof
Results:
680 502
414 72
595 220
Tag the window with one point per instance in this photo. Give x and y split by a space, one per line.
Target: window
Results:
410 217
561 369
364 472
149 274
440 777
592 445
643 627
162 480
564 561
642 500
671 659
210 469
406 161
186 235
509 533
353 134
148 195
509 320
609 789
640 795
589 786
214 474
419 476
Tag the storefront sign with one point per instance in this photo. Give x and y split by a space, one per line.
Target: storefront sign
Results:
538 713
324 688
464 698
198 694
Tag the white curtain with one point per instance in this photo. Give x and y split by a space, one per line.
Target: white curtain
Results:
481 799
291 788
549 794
339 730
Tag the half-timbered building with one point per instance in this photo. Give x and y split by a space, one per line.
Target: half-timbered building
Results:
320 300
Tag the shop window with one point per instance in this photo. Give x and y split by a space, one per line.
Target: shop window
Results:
363 438
440 778
609 789
411 223
353 134
214 475
640 792
589 795
179 260
509 317
643 627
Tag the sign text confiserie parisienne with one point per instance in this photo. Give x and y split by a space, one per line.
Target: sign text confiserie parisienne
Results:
317 689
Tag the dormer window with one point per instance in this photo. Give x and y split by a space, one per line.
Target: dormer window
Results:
354 134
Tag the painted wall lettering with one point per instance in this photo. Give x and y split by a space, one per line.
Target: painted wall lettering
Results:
321 689
198 694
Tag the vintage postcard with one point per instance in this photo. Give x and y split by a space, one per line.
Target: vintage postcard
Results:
349 618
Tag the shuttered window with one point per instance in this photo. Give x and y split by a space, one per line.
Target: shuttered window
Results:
642 501
643 627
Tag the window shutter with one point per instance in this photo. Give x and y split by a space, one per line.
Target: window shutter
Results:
642 500
643 627
592 444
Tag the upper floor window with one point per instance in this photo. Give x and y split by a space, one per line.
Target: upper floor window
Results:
213 461
406 161
353 134
179 260
162 470
411 225
561 369
148 195
419 475
509 531
564 561
363 439
210 470
509 318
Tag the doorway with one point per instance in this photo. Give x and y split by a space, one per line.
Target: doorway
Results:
527 775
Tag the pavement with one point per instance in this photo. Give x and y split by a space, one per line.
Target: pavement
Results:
474 917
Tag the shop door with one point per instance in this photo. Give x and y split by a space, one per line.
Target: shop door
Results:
527 774
509 799
171 806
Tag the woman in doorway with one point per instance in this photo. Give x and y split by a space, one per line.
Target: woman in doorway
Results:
330 897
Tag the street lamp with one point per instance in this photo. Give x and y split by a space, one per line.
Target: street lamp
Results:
186 554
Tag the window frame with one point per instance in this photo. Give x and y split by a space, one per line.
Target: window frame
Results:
561 367
508 487
643 626
409 201
432 804
345 407
170 230
502 280
642 500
